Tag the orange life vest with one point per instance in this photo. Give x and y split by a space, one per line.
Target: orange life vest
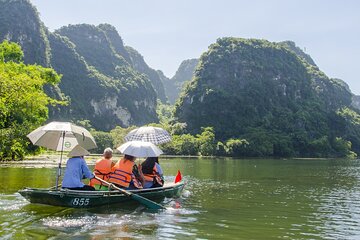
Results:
150 177
154 175
102 170
122 173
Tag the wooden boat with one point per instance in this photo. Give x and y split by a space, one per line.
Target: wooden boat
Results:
88 199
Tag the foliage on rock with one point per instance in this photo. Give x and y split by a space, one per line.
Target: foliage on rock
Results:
266 93
98 76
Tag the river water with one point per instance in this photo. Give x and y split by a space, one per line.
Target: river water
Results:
223 199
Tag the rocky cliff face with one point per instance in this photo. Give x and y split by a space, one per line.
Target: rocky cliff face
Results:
290 45
20 23
140 65
107 97
115 40
356 102
92 43
244 88
98 80
184 74
103 48
103 100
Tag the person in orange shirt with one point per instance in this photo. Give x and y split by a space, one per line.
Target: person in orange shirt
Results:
102 169
126 174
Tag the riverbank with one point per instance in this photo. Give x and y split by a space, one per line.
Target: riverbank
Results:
52 160
49 160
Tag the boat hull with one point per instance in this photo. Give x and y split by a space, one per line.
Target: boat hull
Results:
89 199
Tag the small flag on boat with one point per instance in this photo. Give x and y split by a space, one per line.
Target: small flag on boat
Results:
178 177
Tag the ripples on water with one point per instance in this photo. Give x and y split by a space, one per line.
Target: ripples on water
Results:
284 200
19 219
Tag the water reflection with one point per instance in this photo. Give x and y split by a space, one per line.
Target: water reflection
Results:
224 198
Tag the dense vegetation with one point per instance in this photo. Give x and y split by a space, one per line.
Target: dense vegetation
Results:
103 48
243 97
155 77
114 83
267 94
20 23
124 101
115 89
23 102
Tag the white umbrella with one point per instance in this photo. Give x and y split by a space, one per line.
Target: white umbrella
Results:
140 149
61 136
154 135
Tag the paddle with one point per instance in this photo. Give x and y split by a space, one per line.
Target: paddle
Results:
146 202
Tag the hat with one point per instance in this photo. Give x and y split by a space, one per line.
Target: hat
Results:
78 151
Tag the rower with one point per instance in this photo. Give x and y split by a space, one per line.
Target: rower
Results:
76 169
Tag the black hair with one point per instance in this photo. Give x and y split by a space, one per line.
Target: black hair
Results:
129 157
148 165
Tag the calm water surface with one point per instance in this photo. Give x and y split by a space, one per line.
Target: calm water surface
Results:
224 199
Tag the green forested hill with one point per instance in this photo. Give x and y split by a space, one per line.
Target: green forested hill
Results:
92 43
135 59
140 65
115 40
265 93
290 45
244 97
20 21
99 79
184 74
103 48
356 102
103 100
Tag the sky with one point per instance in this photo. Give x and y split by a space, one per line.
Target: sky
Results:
166 32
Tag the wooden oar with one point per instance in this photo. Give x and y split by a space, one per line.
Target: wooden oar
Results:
146 202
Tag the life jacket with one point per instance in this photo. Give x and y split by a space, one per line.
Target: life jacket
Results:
122 174
153 176
102 170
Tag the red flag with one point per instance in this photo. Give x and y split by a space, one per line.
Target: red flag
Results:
178 177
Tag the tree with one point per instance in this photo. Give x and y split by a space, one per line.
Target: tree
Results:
119 133
236 147
103 140
207 144
185 144
23 102
343 148
320 147
10 52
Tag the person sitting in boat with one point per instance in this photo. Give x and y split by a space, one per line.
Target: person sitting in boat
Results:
76 169
102 170
126 174
153 174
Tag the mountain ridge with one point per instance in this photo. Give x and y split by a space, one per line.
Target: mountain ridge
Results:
266 93
183 74
93 55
